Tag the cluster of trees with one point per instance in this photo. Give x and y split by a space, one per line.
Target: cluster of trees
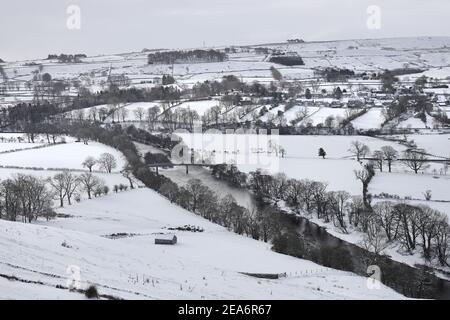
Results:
231 84
67 186
118 80
230 174
67 58
120 187
260 224
25 197
413 158
287 60
172 119
154 158
27 113
192 56
417 103
412 227
163 141
106 162
213 88
334 74
167 79
388 80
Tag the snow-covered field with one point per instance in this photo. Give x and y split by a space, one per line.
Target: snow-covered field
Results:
111 238
372 119
301 161
69 155
319 116
203 265
429 53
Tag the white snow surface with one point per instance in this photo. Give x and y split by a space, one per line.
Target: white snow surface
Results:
204 265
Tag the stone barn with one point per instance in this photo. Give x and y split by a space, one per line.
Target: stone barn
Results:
170 239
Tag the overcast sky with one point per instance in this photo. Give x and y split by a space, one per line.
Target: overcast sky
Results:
33 29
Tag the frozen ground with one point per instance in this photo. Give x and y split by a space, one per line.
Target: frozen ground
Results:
301 161
69 155
372 119
203 265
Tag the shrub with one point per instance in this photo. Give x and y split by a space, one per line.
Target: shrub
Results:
91 292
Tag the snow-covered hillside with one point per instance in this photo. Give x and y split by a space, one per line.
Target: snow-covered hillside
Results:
202 265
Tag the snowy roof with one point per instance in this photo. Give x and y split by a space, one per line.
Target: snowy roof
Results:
167 236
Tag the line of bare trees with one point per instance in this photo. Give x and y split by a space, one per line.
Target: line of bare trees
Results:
415 228
413 158
260 224
67 186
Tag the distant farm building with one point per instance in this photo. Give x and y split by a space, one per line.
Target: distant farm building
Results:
170 239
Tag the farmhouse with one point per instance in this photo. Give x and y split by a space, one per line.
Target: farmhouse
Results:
166 239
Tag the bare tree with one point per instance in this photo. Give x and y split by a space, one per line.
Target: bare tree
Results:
415 160
90 182
408 225
378 159
196 189
123 113
277 187
169 190
89 162
127 172
93 113
139 113
428 225
359 149
57 183
107 162
152 116
386 217
389 154
79 115
365 176
442 242
71 183
25 196
338 202
374 240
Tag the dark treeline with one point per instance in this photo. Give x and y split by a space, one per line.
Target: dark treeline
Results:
177 56
333 74
36 112
228 84
67 58
115 96
287 60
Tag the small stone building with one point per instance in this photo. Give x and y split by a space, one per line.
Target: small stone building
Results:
166 239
